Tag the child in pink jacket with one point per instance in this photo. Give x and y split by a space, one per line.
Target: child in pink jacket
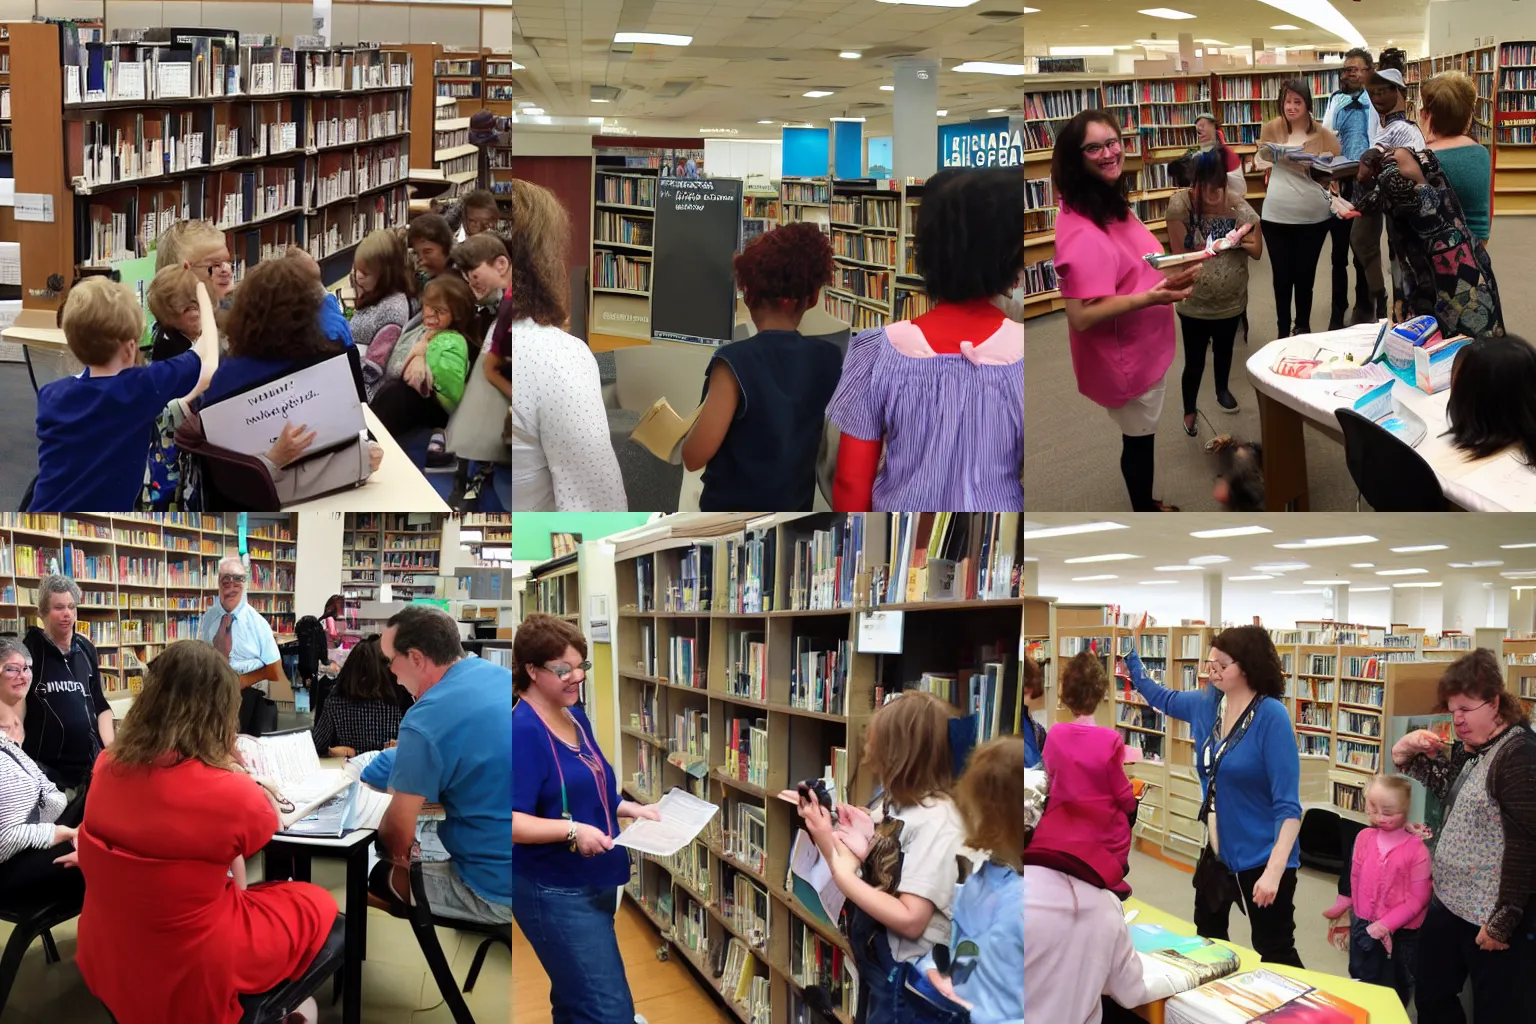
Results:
1089 799
1390 882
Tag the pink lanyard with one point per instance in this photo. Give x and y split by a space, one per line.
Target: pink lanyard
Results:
599 776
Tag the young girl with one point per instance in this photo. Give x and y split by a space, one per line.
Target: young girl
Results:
1390 882
431 241
432 381
1088 812
200 247
765 399
382 286
908 876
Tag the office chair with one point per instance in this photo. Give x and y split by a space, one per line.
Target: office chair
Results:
1388 472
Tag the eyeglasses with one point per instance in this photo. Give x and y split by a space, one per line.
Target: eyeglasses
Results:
563 671
231 579
1467 711
1219 665
16 670
215 265
1096 149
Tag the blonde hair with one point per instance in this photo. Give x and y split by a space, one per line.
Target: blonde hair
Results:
173 289
190 707
1399 786
907 745
1448 99
99 315
186 241
990 799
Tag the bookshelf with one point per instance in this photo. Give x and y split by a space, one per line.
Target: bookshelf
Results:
911 300
740 672
1519 654
401 549
759 212
499 66
1514 149
624 184
865 221
806 200
453 155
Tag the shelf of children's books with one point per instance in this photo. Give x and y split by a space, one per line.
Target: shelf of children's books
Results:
741 785
182 101
726 858
816 924
808 713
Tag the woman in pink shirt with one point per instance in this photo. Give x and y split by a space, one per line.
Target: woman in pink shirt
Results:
1089 799
1119 310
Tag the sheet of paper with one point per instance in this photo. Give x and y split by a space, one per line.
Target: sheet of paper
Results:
807 863
322 397
1503 480
880 632
10 263
683 817
34 206
7 191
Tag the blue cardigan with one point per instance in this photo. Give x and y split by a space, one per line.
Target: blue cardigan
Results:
1260 777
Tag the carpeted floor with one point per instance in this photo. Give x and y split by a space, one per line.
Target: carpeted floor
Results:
1072 454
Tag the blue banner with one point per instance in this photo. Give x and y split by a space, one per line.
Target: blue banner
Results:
243 518
992 142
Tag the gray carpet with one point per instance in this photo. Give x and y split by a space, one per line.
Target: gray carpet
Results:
1072 455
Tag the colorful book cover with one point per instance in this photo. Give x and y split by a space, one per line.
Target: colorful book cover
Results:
1317 1007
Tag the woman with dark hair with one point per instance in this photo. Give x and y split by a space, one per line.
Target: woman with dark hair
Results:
1490 408
1118 320
1296 211
364 709
274 325
1205 209
931 410
1250 774
1034 700
1481 920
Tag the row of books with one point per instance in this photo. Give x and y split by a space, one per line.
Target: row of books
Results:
751 564
1059 104
688 660
689 590
688 746
746 750
858 317
744 903
818 678
343 226
1039 277
879 249
626 190
815 961
747 665
911 304
866 211
621 271
862 283
805 192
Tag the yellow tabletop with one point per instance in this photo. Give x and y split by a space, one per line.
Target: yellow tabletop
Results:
1380 1002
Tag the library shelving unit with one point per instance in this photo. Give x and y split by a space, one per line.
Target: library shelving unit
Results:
911 300
5 102
1519 655
1514 143
759 212
1046 110
805 199
1162 112
486 530
499 66
741 671
458 75
453 155
624 184
865 218
401 549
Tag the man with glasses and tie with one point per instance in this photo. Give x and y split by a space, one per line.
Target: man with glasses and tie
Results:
242 635
66 718
1351 117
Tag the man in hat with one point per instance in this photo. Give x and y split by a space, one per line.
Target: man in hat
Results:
1389 97
1354 120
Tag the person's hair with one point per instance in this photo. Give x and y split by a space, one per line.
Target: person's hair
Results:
365 675
969 236
1303 90
335 606
186 239
1479 676
907 746
1395 57
171 291
1447 99
190 707
1363 54
1254 652
55 584
276 313
476 250
432 631
1399 786
1083 684
430 227
481 199
1034 679
794 262
1242 467
99 315
1207 167
1489 408
229 560
452 291
10 647
539 639
990 799
381 252
1076 186
539 238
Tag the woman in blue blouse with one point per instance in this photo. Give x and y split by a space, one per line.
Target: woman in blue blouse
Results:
566 872
1250 775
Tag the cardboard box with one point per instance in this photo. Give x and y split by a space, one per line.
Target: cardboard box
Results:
1432 365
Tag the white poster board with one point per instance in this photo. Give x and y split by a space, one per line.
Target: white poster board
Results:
322 397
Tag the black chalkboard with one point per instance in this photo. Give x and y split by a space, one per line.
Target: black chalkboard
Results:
693 289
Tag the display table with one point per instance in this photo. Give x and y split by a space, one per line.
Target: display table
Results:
1380 1002
1500 483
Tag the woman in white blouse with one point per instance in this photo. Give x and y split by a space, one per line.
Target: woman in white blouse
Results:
562 459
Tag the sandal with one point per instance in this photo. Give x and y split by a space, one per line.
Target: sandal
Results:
1191 425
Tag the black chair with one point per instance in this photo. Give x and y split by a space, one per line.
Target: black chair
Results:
30 921
424 923
1388 472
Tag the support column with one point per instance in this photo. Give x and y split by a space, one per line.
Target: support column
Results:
1032 578
1211 592
1340 602
1522 610
915 145
1408 606
1466 604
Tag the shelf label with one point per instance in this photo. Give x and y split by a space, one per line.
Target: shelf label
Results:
880 632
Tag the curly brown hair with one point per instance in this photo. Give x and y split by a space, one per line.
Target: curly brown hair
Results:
1083 684
794 262
1479 676
1254 652
276 313
189 707
539 639
539 237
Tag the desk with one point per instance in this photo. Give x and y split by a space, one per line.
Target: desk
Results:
1285 403
1380 1002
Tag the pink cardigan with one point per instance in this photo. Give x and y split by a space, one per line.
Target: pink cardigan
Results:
1088 798
1390 887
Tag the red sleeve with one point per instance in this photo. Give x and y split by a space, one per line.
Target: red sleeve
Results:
251 813
854 485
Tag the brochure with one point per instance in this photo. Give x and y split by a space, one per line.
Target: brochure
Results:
683 817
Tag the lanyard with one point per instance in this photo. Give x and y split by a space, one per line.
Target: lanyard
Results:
592 762
1216 747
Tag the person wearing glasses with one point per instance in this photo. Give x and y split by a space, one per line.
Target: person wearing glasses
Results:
201 246
565 816
1481 920
454 749
1119 309
1250 778
66 718
242 635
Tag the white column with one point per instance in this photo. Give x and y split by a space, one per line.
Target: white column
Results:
1032 578
1340 602
1522 610
915 142
1211 592
1466 604
318 574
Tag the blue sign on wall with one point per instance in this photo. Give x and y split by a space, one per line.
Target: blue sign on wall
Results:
848 149
992 142
806 152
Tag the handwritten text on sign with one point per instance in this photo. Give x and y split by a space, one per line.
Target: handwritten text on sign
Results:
692 195
323 397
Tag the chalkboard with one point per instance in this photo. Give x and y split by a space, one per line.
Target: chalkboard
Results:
693 289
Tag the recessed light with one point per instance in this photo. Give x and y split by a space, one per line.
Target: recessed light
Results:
997 110
1475 565
533 111
1209 560
1368 590
1401 572
765 122
1362 565
1513 547
987 67
1177 568
1100 558
859 120
817 94
1407 586
1230 531
1159 583
887 88
942 113
657 38
1417 548
1281 567
1245 579
850 55
1285 28
1042 532
1165 12
1326 583
1327 542
1090 579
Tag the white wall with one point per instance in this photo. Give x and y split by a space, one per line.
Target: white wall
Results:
319 568
1454 24
756 163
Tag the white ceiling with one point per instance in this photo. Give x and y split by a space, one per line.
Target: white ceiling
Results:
753 60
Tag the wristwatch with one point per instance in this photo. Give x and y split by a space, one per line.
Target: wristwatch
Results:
570 836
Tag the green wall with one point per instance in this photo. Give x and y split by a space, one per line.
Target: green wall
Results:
531 530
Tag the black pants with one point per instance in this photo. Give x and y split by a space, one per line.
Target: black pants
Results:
1294 250
33 875
401 408
1137 465
1219 335
1339 231
1274 926
1370 962
1502 992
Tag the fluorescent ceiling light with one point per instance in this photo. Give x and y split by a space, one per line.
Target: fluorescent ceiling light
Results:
533 111
1512 547
887 88
1328 542
1100 558
1326 583
1178 568
987 67
1368 590
1230 531
1090 579
1245 579
1475 565
850 55
1401 572
1041 533
1281 567
1520 574
1082 51
1212 42
765 122
1300 591
601 101
817 94
1322 14
1362 565
858 120
941 113
1159 583
1209 560
932 3
658 38
594 120
1165 12
997 110
1418 548
1406 586
1286 28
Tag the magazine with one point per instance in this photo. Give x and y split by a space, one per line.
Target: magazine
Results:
1173 963
1261 996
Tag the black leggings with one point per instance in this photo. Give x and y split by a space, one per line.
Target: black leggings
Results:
1220 335
401 408
1137 466
1273 927
1294 250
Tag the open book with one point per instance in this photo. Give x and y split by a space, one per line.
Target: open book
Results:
1261 996
1174 963
661 430
288 762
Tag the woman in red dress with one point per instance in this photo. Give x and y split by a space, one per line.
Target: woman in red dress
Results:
167 933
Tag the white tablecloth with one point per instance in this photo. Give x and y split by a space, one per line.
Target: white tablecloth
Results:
1500 483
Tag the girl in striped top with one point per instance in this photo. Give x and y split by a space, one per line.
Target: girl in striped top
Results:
942 396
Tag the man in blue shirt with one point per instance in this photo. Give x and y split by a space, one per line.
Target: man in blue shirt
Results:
455 749
242 635
1351 117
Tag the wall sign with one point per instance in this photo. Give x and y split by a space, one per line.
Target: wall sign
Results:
993 142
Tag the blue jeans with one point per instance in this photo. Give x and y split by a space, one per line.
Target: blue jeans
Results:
1369 960
918 1002
571 931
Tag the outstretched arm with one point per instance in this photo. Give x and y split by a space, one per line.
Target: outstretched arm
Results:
858 461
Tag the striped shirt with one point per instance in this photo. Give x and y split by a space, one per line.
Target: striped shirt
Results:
29 803
359 724
1398 132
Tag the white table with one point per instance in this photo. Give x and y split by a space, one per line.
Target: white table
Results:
1500 483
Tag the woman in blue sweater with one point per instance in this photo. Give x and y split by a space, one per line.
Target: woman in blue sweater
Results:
1250 775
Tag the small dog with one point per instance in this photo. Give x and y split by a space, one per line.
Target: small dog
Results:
1240 480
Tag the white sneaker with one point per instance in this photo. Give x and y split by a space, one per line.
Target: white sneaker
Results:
639 1019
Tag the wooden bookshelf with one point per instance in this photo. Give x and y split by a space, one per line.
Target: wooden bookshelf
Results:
711 637
393 548
624 186
865 220
499 94
1519 655
1514 143
37 91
